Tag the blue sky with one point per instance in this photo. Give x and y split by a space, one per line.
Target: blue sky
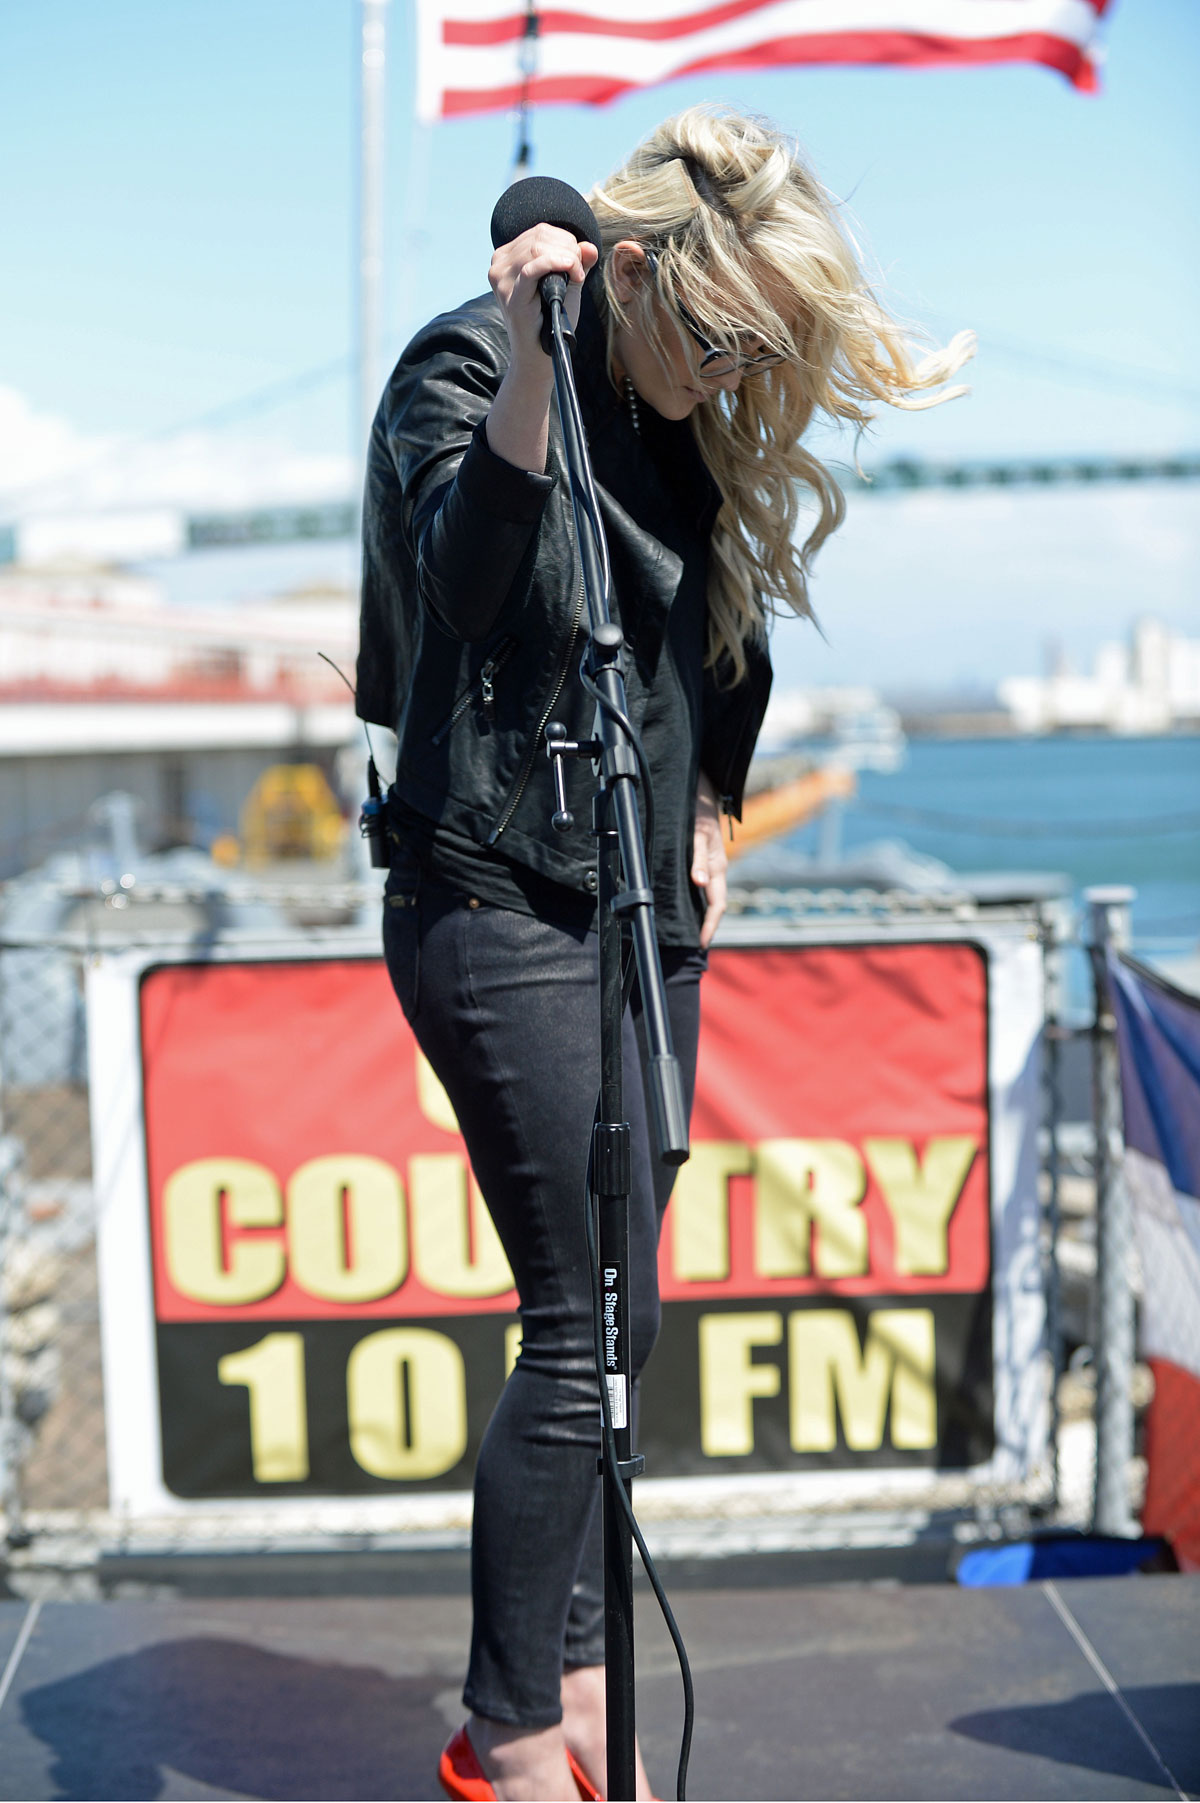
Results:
179 224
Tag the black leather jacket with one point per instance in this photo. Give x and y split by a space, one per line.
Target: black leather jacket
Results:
472 606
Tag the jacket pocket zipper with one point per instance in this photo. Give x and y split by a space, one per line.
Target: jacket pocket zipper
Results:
483 686
531 754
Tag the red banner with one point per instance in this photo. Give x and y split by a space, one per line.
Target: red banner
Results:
303 1162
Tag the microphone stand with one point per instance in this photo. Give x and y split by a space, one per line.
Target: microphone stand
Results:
622 854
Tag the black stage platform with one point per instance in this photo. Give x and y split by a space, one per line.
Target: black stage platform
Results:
1085 1689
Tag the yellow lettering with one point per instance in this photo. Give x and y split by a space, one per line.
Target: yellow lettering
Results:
921 1196
192 1200
456 1249
700 1209
729 1379
273 1372
804 1185
512 1347
909 1334
347 1233
831 1375
406 1392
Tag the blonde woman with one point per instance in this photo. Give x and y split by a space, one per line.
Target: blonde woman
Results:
727 311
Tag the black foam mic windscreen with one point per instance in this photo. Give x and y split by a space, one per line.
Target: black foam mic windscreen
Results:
538 200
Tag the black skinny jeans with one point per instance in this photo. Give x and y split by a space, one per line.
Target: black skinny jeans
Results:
505 1008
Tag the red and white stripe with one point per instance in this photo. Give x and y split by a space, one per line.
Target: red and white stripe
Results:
592 51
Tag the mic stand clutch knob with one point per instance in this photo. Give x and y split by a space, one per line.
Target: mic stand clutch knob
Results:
558 747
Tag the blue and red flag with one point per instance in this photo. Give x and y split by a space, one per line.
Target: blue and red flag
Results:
1158 1033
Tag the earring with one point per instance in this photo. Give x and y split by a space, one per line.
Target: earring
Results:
631 403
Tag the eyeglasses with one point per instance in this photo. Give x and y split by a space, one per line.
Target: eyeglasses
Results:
715 360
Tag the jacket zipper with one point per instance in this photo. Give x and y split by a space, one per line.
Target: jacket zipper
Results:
563 667
482 686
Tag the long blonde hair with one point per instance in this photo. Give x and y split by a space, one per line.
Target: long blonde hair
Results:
746 234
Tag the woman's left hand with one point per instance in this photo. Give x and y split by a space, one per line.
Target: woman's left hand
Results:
709 862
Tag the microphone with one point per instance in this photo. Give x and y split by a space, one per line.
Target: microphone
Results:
541 200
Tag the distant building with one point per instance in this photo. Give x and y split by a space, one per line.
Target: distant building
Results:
796 714
105 686
1150 685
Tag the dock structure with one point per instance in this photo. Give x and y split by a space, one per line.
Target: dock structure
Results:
105 686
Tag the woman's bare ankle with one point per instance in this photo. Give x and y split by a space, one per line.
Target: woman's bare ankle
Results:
585 1725
523 1765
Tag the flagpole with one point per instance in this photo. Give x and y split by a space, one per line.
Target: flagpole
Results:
414 236
373 19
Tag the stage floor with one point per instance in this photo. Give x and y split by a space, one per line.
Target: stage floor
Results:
1088 1689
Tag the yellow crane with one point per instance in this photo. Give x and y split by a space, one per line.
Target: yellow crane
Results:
291 812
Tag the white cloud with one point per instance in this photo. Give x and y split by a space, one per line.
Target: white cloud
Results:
940 587
36 447
49 466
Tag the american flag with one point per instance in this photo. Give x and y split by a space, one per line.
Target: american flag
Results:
476 56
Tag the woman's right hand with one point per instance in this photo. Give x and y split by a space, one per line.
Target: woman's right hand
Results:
518 267
518 424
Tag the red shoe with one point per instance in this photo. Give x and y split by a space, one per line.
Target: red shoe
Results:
587 1790
460 1773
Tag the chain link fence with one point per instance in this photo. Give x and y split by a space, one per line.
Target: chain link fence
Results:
52 1418
52 1393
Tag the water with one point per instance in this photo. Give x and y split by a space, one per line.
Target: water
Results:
1100 810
